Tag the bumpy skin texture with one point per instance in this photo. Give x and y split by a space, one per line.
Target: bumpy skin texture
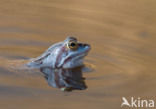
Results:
62 64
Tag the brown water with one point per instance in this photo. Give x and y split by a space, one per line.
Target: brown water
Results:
122 35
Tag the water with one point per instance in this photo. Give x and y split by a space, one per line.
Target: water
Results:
122 36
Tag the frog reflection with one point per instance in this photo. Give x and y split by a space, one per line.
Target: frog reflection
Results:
65 79
62 64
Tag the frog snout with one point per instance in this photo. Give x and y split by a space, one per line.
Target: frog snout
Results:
84 45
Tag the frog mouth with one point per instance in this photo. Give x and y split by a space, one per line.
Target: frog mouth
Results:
75 58
78 58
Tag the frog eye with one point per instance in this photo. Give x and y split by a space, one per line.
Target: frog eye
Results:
73 45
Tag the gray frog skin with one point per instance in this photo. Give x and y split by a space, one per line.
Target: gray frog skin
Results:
66 54
61 64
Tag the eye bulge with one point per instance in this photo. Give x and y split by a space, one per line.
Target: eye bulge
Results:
73 45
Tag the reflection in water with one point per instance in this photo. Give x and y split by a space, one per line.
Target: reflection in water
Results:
59 63
121 32
66 79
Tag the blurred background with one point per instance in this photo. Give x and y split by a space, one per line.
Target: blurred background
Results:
122 35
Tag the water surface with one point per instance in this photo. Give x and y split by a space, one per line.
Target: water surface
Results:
122 35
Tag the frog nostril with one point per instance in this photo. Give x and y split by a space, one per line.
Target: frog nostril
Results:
80 44
85 45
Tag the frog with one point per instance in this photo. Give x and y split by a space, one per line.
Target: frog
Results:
66 54
61 64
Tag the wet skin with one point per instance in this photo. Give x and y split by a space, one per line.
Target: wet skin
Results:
66 54
61 63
